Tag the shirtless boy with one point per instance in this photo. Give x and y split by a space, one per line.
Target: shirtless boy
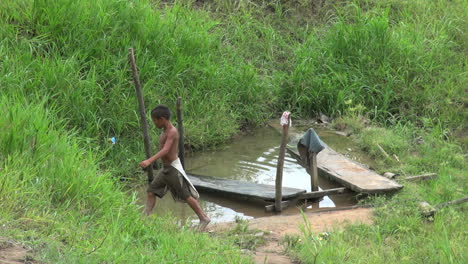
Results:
172 176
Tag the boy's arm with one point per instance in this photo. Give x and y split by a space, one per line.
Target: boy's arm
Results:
163 152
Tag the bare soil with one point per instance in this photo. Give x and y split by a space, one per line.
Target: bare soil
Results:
12 253
279 226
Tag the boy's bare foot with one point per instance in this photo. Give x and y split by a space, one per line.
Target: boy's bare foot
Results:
203 223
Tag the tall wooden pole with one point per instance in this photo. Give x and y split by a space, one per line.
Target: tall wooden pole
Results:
141 104
180 127
313 171
279 169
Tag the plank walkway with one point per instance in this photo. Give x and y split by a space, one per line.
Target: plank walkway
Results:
349 173
241 189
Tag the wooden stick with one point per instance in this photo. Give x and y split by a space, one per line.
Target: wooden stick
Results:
279 169
459 201
427 176
271 207
313 171
319 194
383 151
180 127
141 104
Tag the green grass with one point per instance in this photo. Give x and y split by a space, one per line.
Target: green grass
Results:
66 87
55 200
78 61
394 69
400 233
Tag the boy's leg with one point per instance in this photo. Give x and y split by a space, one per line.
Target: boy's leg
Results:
150 202
156 188
204 219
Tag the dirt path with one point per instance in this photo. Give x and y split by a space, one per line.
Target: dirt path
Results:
279 226
12 253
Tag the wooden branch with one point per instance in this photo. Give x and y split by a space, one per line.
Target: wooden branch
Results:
141 104
383 151
428 176
428 210
319 194
279 170
180 127
459 201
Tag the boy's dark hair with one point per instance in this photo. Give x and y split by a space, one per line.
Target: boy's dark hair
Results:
161 111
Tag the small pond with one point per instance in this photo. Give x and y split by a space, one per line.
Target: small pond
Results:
253 158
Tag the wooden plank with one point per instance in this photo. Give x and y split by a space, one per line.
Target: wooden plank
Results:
342 170
319 194
241 189
349 173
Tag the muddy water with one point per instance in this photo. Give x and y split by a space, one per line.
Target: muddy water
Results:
253 158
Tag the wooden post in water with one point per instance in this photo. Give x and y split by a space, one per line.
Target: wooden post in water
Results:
279 167
180 127
313 171
141 104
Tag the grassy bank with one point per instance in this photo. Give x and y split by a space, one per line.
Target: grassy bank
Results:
235 64
400 233
55 200
66 87
74 54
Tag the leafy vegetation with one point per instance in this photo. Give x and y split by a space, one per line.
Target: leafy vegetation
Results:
66 87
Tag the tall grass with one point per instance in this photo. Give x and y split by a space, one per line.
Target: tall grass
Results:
53 197
75 53
397 66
